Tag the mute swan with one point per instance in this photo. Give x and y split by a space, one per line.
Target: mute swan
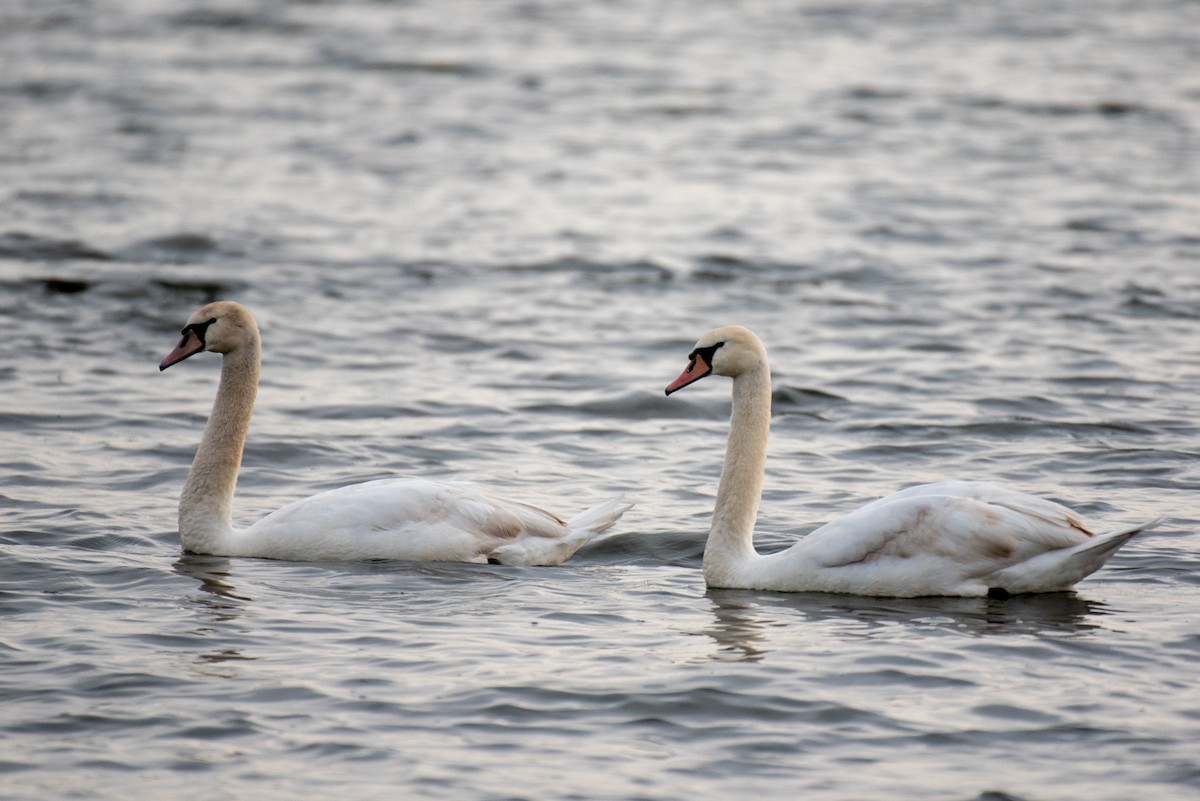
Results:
952 538
416 519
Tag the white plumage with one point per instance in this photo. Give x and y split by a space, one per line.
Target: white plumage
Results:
952 538
419 519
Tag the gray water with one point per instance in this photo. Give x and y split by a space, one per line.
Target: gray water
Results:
480 239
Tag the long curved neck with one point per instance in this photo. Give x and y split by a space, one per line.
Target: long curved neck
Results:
731 538
206 504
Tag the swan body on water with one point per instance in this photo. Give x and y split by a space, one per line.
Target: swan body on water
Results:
960 538
418 519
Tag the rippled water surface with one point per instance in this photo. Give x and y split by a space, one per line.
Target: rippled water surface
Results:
480 238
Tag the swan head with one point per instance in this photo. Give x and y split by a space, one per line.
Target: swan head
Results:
219 327
730 350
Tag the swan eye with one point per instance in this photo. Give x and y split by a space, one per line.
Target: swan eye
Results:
199 329
705 353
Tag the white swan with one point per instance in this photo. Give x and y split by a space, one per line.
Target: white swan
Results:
415 519
952 538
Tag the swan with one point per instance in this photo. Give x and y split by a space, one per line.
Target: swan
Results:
960 538
417 519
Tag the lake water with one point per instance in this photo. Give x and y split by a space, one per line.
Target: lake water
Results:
480 238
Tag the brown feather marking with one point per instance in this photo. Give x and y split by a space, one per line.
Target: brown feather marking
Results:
542 511
900 543
502 526
998 547
1073 522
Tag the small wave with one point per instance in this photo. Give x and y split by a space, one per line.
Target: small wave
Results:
1103 108
459 69
637 272
437 67
719 268
634 405
42 90
204 291
228 19
870 92
790 400
184 246
82 201
647 548
28 247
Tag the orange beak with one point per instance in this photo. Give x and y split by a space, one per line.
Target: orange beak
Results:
189 345
697 368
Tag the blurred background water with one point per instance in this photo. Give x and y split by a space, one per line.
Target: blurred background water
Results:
480 238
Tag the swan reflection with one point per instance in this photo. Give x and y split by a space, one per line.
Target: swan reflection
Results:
743 617
220 604
739 626
212 572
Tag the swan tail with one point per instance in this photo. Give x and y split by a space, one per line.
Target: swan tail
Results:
1059 570
597 520
581 529
1105 545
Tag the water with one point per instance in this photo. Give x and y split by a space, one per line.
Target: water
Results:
480 239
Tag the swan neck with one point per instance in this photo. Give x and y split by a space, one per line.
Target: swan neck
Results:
206 504
731 537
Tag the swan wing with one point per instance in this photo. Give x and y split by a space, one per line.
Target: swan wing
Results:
935 540
1031 506
398 519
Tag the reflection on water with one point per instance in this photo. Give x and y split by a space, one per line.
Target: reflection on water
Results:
1064 613
220 664
743 617
220 604
738 628
213 573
